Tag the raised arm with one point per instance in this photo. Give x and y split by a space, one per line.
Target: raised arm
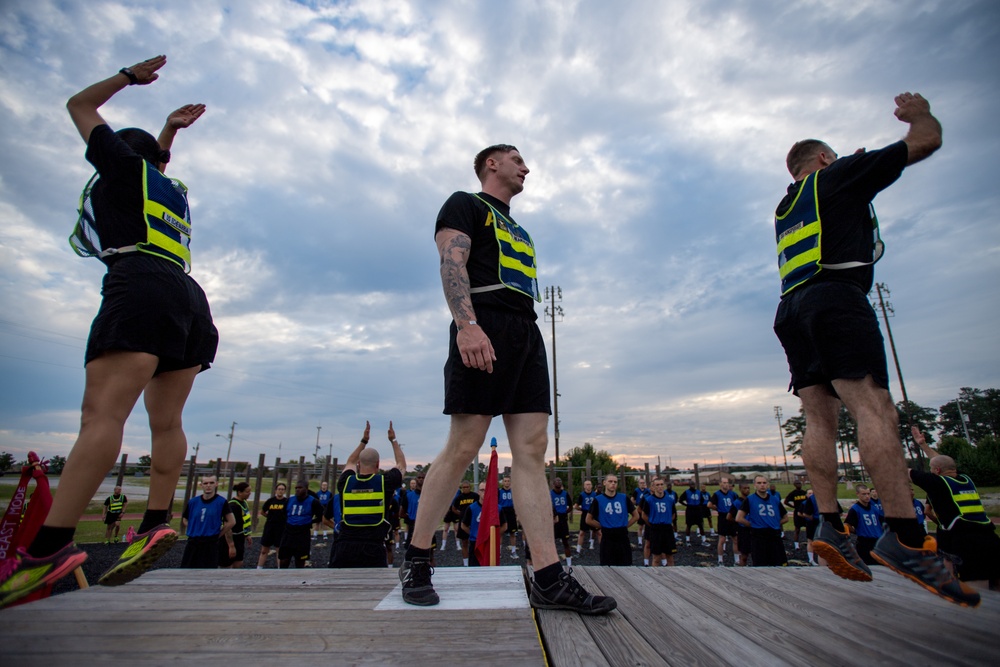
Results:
921 441
473 343
83 106
397 450
924 136
178 119
352 460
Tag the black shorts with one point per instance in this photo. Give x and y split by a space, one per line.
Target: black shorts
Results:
811 527
767 549
661 539
693 517
615 547
149 305
111 519
509 517
451 517
271 536
727 527
830 332
461 534
561 526
351 554
295 543
744 540
201 553
519 382
240 542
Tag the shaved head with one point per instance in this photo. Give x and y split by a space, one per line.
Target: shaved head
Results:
943 463
368 459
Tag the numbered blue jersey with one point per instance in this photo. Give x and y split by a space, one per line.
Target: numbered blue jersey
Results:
613 512
560 501
764 512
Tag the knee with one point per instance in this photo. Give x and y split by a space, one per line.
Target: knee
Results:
164 423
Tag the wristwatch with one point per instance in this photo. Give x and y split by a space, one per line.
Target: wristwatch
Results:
132 78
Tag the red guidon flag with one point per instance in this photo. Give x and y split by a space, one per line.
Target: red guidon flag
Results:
488 537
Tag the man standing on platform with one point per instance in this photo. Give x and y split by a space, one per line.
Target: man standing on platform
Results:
204 518
613 514
763 513
496 366
365 495
835 351
114 507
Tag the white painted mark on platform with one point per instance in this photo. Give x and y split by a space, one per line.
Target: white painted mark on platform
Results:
469 588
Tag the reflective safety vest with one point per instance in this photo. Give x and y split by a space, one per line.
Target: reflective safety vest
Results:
166 214
798 234
517 268
247 519
117 504
363 500
966 497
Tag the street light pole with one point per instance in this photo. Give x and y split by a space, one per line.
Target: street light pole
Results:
781 434
229 450
554 312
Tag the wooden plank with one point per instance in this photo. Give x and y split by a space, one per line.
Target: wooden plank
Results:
567 640
620 643
691 639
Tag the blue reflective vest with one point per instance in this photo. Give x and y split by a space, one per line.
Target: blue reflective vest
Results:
363 500
517 268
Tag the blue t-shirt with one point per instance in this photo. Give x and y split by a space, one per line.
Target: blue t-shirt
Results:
691 498
918 507
506 497
585 500
612 512
659 510
472 514
764 512
560 501
723 501
867 522
412 500
324 497
204 519
303 512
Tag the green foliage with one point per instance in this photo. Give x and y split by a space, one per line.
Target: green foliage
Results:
6 461
145 461
982 463
56 465
954 447
600 462
981 408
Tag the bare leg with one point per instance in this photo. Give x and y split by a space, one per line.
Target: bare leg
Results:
114 382
528 440
464 440
878 443
819 452
164 398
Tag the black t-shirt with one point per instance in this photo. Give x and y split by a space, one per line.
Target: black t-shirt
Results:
274 509
117 194
392 479
939 497
461 502
464 213
845 190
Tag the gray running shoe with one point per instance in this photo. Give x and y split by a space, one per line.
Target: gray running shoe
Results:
839 553
567 593
416 578
923 566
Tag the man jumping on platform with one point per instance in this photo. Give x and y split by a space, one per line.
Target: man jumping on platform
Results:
496 366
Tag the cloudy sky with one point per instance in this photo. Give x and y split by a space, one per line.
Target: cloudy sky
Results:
655 132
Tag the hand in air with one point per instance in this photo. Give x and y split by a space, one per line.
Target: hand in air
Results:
185 116
145 72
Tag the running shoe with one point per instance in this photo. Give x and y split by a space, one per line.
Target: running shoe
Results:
23 575
923 566
415 576
568 594
839 553
145 550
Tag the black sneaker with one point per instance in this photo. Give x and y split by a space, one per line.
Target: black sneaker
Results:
567 593
839 553
923 566
416 578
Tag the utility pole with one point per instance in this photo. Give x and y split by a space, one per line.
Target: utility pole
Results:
964 418
554 312
781 434
886 310
316 452
229 450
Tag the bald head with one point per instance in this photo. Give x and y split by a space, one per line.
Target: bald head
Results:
942 465
368 460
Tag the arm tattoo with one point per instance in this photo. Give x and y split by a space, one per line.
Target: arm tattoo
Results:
454 250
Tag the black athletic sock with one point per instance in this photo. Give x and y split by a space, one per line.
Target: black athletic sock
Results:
50 540
548 575
151 519
415 552
908 531
833 518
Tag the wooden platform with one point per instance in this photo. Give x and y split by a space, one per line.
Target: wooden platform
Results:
673 616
